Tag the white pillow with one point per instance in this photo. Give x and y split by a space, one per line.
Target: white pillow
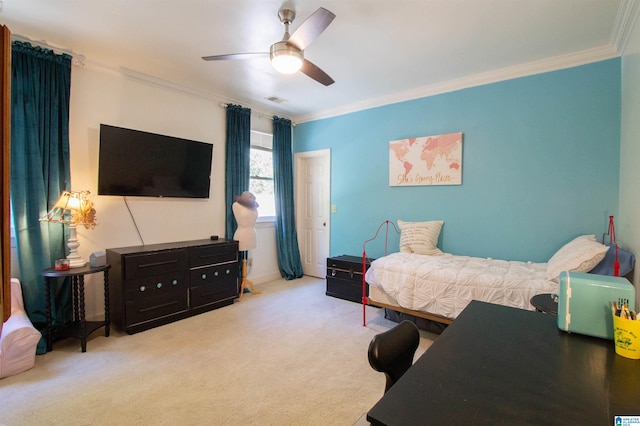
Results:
420 237
579 255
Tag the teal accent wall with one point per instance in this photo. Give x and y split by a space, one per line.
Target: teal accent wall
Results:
540 165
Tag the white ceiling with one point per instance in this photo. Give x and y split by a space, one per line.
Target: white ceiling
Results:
377 51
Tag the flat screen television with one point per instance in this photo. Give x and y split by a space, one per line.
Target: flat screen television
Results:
143 164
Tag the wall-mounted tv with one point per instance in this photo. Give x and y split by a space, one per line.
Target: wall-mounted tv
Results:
143 164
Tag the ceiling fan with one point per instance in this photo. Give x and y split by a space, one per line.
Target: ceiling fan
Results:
287 55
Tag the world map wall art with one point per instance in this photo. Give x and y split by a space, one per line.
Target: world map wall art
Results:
429 160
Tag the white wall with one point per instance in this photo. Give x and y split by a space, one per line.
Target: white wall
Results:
628 231
100 95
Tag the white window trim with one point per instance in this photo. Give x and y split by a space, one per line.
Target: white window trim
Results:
271 219
256 142
266 222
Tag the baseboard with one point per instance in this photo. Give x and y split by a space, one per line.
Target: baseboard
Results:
264 278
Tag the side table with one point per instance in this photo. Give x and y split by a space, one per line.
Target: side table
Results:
79 327
546 302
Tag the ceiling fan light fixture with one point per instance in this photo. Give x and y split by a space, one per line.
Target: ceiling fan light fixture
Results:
285 58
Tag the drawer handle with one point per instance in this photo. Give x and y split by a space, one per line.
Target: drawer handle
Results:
143 288
333 272
151 265
159 285
228 271
174 282
164 305
216 273
203 276
228 253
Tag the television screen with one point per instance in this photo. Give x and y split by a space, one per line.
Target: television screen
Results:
144 164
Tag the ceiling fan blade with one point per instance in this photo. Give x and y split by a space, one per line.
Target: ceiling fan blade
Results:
316 73
311 28
236 56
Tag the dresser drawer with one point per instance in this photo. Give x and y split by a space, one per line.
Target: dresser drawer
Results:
150 264
159 283
213 284
208 255
151 298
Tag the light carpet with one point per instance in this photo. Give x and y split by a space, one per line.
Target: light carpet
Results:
288 356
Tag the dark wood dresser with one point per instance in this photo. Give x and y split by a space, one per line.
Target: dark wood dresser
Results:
155 284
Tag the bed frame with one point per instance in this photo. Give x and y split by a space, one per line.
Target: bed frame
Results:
426 315
617 262
365 299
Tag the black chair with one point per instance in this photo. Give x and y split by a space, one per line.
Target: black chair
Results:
392 352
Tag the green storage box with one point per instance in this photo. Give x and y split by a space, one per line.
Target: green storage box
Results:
584 302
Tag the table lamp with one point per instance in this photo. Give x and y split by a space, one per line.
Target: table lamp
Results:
73 208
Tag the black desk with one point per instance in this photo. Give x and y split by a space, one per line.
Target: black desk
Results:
79 328
496 365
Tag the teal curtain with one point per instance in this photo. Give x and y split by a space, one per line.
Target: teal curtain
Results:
238 150
289 261
40 87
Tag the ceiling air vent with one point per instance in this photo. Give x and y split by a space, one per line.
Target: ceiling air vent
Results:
276 99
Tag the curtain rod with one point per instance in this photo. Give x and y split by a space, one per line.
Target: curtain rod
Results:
262 116
77 58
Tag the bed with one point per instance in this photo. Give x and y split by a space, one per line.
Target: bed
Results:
422 281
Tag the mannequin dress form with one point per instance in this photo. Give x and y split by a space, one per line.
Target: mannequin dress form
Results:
245 210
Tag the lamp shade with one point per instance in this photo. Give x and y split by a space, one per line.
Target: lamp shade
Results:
70 200
285 58
72 207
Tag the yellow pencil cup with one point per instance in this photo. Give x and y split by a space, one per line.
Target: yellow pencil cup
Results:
626 336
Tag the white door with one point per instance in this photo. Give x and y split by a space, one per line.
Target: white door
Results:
313 183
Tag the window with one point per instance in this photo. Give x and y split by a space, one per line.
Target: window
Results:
261 173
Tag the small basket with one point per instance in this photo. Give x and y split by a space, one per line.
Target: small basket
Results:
626 336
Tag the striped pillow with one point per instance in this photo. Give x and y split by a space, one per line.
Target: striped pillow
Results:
420 237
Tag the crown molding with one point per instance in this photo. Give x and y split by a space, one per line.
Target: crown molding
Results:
177 87
531 68
626 19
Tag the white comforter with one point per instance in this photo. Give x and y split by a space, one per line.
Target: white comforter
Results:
444 285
